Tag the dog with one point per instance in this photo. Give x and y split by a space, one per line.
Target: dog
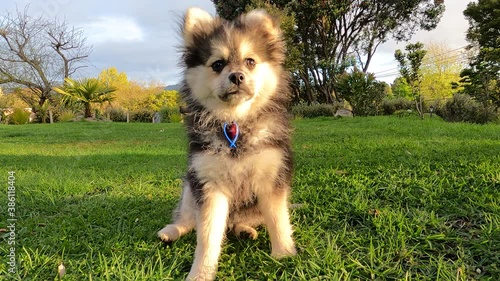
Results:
240 163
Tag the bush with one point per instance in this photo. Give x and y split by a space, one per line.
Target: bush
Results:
314 110
42 112
406 113
170 115
142 115
19 116
117 114
391 106
67 116
464 108
362 91
41 116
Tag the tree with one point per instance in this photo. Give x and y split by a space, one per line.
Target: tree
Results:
87 91
362 91
165 98
482 78
401 88
38 54
111 77
133 95
409 68
440 71
128 94
332 36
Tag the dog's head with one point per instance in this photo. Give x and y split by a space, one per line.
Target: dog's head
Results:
232 68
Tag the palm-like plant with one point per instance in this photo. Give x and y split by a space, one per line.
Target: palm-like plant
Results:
86 91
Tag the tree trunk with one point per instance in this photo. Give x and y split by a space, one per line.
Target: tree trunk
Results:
419 106
42 100
88 111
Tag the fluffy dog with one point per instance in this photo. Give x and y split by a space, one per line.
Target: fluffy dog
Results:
240 160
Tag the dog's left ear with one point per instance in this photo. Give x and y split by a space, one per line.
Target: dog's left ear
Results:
196 20
262 20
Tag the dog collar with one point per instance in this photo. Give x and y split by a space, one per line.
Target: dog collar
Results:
231 132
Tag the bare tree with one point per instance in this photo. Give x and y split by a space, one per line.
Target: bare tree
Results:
37 54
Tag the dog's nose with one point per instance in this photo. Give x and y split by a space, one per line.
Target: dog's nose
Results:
237 78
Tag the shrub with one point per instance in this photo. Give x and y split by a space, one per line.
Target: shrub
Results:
464 108
391 106
117 114
19 116
406 113
362 91
314 110
42 112
170 115
142 115
41 116
67 116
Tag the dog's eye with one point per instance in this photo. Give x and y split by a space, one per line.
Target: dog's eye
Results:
218 66
250 63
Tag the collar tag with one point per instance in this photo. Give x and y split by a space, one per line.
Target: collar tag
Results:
231 132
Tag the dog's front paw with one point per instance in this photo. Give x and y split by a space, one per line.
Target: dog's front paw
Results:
169 233
203 273
284 250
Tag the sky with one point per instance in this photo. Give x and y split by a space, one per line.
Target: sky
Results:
140 38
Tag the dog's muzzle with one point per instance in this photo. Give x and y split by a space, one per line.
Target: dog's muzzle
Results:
238 91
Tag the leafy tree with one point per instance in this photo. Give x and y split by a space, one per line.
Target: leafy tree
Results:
440 70
401 88
231 9
362 91
111 77
130 95
37 54
87 91
482 78
165 98
334 35
409 68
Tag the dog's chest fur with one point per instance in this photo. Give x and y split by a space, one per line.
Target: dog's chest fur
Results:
261 148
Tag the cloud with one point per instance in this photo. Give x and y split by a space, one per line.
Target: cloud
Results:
113 29
140 37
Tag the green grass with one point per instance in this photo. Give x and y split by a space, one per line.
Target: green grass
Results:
385 198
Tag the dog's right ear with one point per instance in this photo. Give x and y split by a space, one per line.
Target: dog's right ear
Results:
196 20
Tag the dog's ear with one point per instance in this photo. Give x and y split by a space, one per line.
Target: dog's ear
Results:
196 20
260 19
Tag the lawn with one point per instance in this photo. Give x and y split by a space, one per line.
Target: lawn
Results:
384 198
